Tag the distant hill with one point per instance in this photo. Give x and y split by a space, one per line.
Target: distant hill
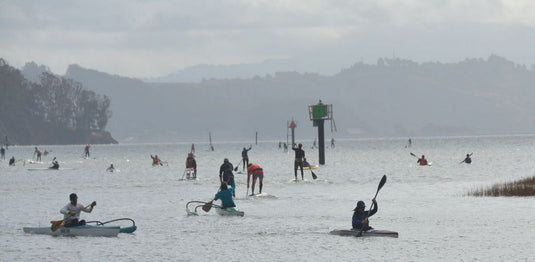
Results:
393 97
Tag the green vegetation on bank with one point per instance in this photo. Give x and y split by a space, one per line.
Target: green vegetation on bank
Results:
55 111
523 187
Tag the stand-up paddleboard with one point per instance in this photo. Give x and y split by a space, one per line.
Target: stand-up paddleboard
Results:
262 196
369 233
311 167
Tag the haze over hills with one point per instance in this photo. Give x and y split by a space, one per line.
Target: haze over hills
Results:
393 97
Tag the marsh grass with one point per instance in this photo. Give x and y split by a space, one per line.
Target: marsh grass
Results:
523 187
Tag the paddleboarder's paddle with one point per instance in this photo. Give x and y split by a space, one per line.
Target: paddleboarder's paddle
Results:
58 223
414 155
313 175
236 168
381 184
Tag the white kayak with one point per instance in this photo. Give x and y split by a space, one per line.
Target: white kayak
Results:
86 230
369 233
229 212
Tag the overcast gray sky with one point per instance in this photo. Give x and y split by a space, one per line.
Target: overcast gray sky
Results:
154 38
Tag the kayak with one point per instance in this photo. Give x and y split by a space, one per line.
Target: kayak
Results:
86 230
99 230
53 169
312 167
369 233
229 212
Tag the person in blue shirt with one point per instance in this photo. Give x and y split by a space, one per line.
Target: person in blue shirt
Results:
360 217
225 195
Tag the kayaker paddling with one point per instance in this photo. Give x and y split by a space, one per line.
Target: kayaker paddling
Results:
225 195
55 164
422 161
467 160
360 217
111 168
71 212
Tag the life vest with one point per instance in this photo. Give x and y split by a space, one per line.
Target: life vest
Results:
423 161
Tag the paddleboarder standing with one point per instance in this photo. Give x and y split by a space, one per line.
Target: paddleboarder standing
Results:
71 212
245 157
360 217
299 157
226 176
86 151
257 172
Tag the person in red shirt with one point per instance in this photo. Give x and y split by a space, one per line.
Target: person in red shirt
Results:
257 172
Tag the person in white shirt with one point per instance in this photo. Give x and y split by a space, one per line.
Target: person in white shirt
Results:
71 212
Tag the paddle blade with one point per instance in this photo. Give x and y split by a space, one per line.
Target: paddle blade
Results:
236 169
413 155
313 175
56 225
382 183
206 207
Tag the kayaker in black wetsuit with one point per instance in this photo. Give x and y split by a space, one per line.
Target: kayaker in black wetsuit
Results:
245 157
55 164
225 174
12 161
360 217
298 162
467 160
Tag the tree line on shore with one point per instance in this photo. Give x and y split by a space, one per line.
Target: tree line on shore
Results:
56 110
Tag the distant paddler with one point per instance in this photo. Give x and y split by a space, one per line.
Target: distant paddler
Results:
191 163
111 168
467 160
86 151
55 164
225 174
299 157
156 161
256 171
12 161
245 157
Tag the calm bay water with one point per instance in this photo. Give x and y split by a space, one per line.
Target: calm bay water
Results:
426 205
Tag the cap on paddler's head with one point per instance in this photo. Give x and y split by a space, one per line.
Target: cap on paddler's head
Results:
360 204
225 160
73 196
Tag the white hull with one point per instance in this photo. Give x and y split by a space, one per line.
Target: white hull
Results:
99 231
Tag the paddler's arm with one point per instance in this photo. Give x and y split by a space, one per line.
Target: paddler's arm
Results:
374 210
90 207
